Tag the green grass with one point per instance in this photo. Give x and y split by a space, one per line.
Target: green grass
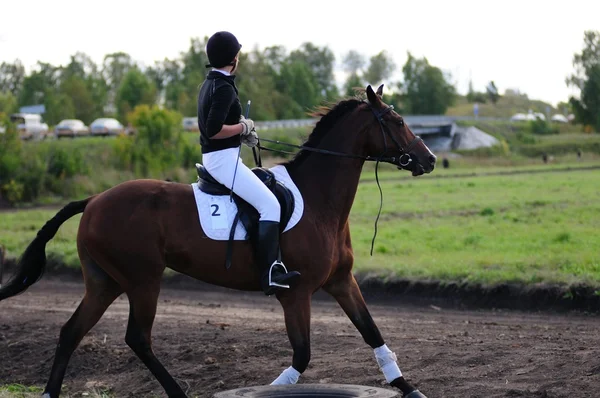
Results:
529 227
506 107
21 391
521 228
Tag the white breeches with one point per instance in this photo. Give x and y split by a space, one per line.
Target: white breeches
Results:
221 166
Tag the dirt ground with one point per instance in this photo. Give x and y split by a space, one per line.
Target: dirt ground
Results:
216 340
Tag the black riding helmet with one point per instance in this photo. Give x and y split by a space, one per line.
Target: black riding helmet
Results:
221 48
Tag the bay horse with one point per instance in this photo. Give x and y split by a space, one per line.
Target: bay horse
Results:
131 232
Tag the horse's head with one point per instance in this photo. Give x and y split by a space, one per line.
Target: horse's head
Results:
393 142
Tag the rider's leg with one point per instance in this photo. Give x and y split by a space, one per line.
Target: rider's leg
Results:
222 166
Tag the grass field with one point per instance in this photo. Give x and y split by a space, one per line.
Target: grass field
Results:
527 227
20 391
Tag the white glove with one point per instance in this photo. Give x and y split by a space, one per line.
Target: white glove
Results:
250 139
247 125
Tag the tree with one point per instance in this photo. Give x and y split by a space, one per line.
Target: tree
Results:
114 68
351 84
492 92
475 96
300 84
353 62
135 89
320 61
586 78
194 72
425 88
8 103
275 57
59 106
75 88
39 84
11 77
381 67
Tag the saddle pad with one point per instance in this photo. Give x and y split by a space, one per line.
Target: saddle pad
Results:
216 213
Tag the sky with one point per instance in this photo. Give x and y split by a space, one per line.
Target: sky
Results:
526 45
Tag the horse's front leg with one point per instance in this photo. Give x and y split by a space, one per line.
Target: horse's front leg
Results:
347 293
296 309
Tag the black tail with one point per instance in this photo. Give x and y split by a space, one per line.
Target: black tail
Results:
32 263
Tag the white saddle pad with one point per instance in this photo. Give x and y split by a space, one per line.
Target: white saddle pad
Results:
216 213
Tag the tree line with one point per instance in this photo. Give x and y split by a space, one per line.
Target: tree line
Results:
282 84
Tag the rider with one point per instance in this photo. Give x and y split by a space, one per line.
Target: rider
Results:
222 127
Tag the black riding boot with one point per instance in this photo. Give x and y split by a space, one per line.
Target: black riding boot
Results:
273 274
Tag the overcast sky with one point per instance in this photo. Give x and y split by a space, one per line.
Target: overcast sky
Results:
526 44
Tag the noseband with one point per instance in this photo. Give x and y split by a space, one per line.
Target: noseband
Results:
405 158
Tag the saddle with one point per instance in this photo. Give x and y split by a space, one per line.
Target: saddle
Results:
247 214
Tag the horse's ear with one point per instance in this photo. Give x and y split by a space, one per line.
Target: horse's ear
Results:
371 96
380 91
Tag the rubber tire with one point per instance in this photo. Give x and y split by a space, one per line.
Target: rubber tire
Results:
310 391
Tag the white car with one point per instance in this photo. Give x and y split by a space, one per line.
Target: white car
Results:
30 126
190 124
559 118
71 128
106 126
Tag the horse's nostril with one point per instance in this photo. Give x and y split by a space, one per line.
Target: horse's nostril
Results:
432 159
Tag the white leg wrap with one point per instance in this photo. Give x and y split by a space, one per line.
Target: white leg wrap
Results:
386 360
46 395
288 376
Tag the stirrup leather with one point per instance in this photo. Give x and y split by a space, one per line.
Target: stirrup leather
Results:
271 283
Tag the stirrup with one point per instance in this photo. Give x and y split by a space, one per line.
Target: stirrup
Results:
271 283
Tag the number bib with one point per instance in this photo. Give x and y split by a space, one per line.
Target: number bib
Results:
219 212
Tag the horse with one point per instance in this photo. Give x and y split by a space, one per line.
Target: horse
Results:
131 232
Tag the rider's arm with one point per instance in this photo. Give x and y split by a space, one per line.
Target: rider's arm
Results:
228 131
222 100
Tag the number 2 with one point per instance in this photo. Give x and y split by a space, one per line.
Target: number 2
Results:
214 213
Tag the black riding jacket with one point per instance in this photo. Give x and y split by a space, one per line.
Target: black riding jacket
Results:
218 104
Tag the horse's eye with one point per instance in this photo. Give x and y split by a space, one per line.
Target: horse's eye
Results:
401 122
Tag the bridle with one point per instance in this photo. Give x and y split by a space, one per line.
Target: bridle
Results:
405 158
401 161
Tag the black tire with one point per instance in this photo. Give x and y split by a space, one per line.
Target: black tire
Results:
310 391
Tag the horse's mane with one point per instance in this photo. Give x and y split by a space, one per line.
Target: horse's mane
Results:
329 116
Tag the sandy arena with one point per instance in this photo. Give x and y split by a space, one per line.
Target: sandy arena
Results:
215 340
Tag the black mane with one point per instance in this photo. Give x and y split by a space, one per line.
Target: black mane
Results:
329 116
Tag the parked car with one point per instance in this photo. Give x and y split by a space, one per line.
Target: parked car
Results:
106 126
190 124
30 126
71 128
560 118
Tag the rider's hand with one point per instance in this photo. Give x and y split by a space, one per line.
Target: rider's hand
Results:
250 139
247 125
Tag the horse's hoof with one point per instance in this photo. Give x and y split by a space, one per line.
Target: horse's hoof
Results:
415 394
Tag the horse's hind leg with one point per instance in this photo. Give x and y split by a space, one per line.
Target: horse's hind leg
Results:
100 292
142 302
347 293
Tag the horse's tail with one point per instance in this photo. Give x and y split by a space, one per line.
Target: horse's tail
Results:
32 263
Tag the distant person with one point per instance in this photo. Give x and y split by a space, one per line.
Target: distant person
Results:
579 154
545 157
445 163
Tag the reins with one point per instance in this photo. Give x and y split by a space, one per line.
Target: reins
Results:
401 161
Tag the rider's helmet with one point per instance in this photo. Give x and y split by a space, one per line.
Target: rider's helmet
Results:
221 48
